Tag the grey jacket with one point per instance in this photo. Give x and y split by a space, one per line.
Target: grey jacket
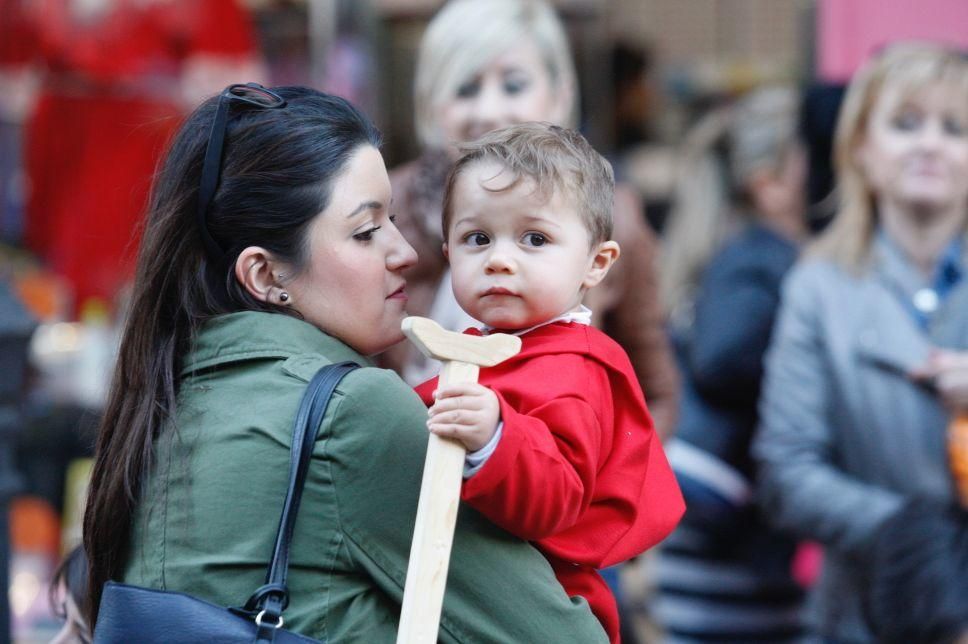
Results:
845 436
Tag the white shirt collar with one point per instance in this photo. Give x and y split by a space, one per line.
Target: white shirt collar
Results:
581 316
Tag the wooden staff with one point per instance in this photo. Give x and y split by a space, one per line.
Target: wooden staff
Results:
423 596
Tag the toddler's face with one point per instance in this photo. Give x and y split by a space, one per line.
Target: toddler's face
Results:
517 258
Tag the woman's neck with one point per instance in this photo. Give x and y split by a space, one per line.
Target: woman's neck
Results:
921 235
792 226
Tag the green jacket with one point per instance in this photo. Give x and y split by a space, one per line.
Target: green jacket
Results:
211 505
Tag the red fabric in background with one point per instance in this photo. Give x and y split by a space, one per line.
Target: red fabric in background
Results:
579 469
109 102
848 32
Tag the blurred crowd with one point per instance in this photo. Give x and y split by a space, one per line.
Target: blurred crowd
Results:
792 288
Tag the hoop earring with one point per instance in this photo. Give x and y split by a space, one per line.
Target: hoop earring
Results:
284 297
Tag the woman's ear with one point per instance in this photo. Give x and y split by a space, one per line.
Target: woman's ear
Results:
602 259
446 252
259 273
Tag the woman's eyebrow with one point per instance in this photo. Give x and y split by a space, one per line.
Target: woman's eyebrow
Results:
366 205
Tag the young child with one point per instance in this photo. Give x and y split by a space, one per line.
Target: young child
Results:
561 447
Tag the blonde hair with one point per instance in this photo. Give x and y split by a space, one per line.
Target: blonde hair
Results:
910 67
467 34
759 131
553 157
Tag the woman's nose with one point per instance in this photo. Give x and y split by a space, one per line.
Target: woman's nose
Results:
489 107
931 136
401 255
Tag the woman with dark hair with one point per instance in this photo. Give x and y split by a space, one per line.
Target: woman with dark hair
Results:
919 584
270 251
68 598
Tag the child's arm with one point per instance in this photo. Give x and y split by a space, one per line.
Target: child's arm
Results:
540 477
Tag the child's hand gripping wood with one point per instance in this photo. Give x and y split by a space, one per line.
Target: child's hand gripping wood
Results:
423 595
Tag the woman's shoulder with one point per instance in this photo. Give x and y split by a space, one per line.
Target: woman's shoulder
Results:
405 173
366 382
375 385
754 250
816 274
628 219
425 173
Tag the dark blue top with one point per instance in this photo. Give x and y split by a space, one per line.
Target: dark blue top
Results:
722 355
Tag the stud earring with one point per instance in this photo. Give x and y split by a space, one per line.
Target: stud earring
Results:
284 297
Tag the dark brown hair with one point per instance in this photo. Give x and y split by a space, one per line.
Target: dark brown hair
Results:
277 169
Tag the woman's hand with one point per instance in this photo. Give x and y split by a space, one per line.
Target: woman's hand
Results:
467 412
947 371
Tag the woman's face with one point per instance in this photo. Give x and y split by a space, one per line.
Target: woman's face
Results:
915 150
515 87
353 285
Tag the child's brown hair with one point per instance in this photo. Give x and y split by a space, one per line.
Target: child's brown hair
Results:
555 158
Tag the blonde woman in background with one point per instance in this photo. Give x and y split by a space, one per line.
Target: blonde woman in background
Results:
482 65
724 575
701 218
869 358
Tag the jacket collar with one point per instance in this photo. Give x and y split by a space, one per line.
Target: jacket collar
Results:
253 335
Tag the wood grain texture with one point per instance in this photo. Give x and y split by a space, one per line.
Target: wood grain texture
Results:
433 535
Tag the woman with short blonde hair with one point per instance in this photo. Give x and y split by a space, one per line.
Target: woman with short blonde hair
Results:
466 35
487 64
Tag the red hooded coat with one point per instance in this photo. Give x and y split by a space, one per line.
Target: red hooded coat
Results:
579 469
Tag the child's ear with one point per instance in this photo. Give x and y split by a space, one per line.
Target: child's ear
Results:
602 259
446 252
258 272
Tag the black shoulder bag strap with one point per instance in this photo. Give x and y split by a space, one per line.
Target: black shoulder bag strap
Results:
270 600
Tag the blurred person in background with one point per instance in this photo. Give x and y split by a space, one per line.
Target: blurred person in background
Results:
701 219
919 587
869 358
486 64
68 598
113 78
724 575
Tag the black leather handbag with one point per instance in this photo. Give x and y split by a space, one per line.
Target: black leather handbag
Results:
134 614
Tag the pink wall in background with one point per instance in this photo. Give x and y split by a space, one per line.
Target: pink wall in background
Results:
848 31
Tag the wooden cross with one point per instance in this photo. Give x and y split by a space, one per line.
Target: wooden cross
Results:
423 595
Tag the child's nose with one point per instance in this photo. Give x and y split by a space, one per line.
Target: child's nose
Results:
499 261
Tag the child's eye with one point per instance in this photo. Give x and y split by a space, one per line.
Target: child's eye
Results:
477 239
366 235
535 239
392 218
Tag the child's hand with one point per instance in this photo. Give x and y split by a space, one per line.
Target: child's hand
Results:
468 413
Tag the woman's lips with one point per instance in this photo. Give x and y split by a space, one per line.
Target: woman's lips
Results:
399 294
